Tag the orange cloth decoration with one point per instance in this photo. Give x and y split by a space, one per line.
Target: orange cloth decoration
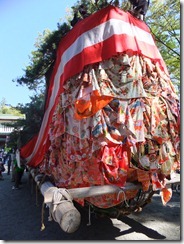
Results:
166 195
86 108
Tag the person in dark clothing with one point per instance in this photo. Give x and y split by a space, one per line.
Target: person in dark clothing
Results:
18 173
82 10
2 169
19 167
140 7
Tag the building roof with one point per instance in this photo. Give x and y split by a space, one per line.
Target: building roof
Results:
11 117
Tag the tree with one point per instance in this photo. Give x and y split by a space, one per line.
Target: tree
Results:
8 109
163 19
26 128
37 73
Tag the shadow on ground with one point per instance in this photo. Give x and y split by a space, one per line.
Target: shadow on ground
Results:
20 219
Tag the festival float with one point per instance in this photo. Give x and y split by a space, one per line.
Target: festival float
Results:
110 135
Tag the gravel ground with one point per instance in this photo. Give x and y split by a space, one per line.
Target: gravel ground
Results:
20 219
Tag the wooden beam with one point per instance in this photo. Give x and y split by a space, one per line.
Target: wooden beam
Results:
47 190
63 210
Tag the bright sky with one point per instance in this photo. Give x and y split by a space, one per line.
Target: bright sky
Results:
20 23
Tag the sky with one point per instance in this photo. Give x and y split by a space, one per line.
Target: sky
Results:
21 21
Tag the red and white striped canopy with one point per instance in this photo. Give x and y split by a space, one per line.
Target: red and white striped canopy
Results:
98 37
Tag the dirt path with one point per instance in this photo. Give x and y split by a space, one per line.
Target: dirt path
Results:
20 219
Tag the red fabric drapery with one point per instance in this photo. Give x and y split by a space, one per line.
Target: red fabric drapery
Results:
98 37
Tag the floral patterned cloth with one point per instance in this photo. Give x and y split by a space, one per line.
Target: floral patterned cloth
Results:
116 122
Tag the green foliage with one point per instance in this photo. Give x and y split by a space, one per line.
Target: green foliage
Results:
42 59
13 139
7 109
163 19
26 128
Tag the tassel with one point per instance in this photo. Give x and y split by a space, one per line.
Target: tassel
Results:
42 219
42 227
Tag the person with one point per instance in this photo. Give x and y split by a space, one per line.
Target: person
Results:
12 153
1 154
19 166
8 160
139 8
2 169
82 10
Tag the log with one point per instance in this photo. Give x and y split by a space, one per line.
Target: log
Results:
65 213
61 207
67 216
47 190
60 200
93 191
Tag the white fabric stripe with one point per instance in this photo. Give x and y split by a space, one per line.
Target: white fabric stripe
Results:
99 34
46 116
96 35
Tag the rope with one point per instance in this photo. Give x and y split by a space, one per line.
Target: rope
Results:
124 195
42 181
32 182
36 195
59 196
42 218
38 187
89 215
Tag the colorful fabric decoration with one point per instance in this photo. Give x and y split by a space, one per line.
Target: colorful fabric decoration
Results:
112 113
